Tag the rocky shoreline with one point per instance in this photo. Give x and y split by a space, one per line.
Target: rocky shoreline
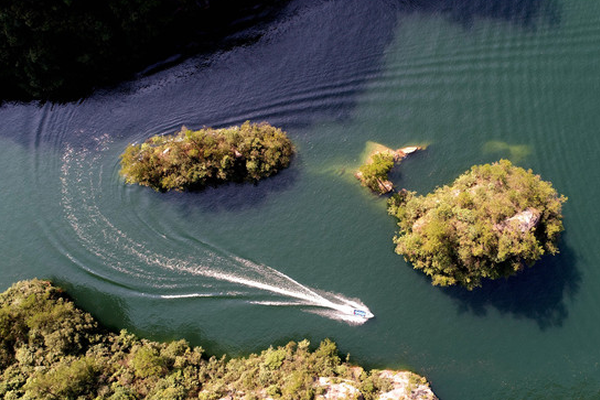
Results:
403 385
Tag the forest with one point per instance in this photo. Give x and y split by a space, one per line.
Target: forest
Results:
61 50
50 349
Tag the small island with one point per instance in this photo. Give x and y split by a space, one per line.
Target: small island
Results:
192 160
491 222
50 349
373 174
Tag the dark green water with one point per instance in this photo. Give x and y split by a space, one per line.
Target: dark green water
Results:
475 80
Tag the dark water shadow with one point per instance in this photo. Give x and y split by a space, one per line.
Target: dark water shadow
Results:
538 293
331 44
233 196
526 13
112 314
111 311
204 27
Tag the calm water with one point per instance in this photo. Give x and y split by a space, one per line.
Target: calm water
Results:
241 267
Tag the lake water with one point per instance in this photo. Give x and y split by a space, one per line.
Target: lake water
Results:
241 267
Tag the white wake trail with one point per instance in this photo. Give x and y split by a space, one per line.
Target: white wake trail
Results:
80 185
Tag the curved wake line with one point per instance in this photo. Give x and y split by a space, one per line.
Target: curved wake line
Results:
193 295
80 186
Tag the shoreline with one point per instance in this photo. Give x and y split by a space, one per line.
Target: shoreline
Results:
76 357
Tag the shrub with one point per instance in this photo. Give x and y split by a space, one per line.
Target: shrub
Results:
147 362
69 379
274 358
489 223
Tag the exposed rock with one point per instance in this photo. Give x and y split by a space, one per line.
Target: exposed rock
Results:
356 371
420 223
523 221
409 149
398 154
405 151
344 390
403 385
406 386
402 153
385 186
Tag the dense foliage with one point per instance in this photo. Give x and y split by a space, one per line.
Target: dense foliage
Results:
60 49
195 159
374 173
50 350
489 223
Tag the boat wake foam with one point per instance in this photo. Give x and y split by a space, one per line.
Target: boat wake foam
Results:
80 185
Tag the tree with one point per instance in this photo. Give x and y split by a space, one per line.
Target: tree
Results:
374 173
490 223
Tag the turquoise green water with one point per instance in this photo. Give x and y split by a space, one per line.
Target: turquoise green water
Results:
474 83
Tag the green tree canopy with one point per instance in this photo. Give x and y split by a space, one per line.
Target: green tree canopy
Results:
374 173
490 223
195 159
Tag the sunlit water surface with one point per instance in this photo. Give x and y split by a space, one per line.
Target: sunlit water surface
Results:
241 267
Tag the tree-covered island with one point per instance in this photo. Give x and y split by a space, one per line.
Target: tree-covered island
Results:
50 349
192 160
491 222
